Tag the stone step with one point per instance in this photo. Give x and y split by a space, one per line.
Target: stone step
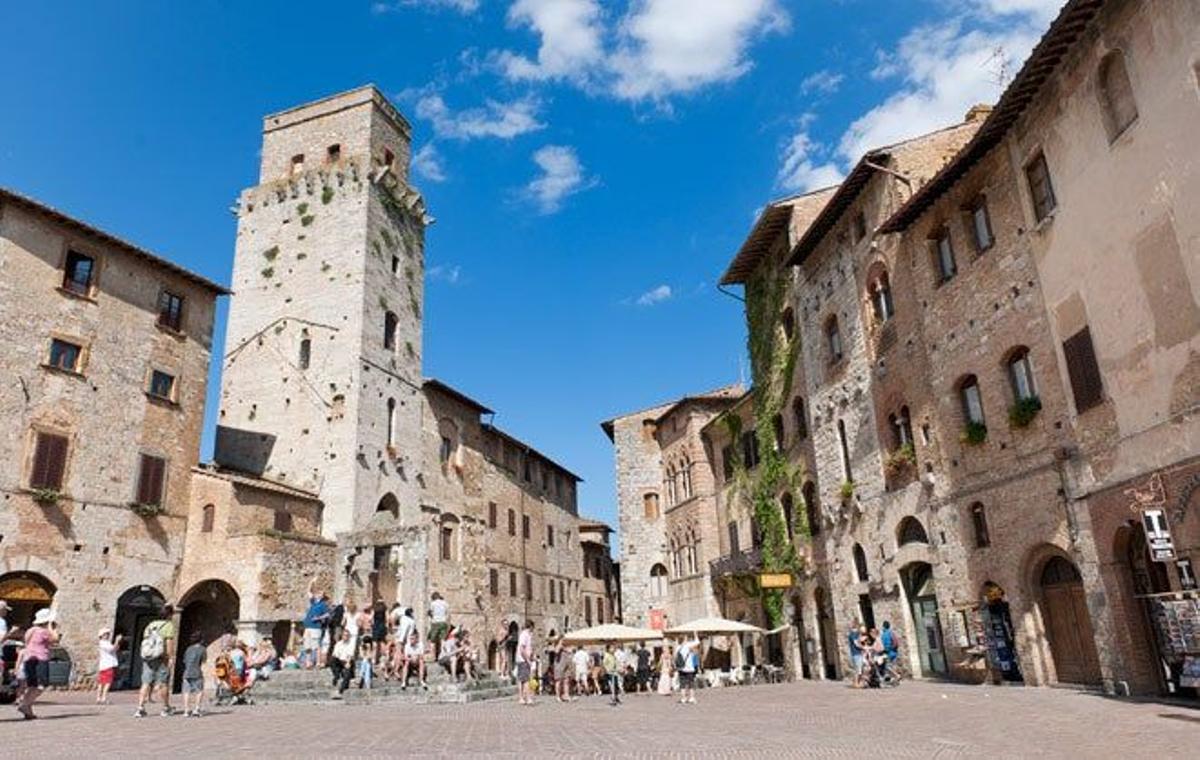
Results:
316 687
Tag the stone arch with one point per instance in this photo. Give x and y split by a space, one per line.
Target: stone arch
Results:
212 608
25 592
136 607
911 531
389 503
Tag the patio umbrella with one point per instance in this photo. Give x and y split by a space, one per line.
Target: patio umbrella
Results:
713 626
610 633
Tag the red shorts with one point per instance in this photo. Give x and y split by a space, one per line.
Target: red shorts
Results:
105 677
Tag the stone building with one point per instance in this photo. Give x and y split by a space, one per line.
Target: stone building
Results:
666 509
105 363
1093 197
601 580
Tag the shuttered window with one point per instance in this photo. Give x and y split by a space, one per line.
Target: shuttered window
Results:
1086 384
49 461
1037 173
151 475
492 515
494 581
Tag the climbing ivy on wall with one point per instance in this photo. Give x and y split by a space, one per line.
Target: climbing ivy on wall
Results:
773 357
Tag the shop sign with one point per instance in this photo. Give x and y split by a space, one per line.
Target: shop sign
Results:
1158 535
657 620
775 580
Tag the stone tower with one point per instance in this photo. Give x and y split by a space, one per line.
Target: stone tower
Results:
322 374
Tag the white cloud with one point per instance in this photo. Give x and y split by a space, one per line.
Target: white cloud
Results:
447 273
676 46
504 120
802 169
428 163
655 296
561 176
571 44
462 6
944 70
824 81
1041 11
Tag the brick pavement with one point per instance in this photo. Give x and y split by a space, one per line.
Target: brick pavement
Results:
917 720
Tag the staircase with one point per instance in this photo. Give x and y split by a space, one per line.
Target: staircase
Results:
314 686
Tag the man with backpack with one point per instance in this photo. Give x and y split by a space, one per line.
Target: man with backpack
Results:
158 641
687 663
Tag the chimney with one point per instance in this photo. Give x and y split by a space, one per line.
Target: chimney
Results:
978 112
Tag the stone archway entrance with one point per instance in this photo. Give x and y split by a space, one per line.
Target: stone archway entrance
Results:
921 591
210 607
1068 624
135 608
25 593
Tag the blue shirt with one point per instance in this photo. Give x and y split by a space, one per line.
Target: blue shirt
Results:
317 610
888 639
852 637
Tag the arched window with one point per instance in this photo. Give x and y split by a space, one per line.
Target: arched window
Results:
650 506
1116 95
833 340
685 472
1020 374
209 516
777 426
880 290
812 509
910 531
972 401
789 515
788 323
391 422
390 322
305 353
979 523
388 504
670 483
658 581
901 425
860 563
800 418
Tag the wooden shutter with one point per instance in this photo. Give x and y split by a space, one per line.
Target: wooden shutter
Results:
1086 383
150 480
49 461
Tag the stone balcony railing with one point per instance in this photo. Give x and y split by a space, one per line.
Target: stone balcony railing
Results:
746 562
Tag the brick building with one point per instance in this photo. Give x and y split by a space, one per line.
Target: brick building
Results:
105 363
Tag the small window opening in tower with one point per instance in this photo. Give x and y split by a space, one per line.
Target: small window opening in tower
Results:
297 163
334 153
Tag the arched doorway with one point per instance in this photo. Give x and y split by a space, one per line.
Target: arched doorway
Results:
135 608
921 591
997 622
826 633
25 593
210 607
1068 624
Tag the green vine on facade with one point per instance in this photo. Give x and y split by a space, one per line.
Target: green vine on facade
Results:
773 357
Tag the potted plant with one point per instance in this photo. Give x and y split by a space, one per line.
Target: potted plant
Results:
900 459
147 510
974 434
1021 413
45 496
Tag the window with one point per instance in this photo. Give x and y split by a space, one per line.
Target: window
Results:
812 509
78 273
283 521
333 153
587 609
447 543
650 506
756 534
788 322
305 353
800 418
972 403
162 385
847 472
446 450
395 264
979 522
492 515
749 450
669 482
789 515
550 590
528 469
512 584
911 531
777 426
151 475
494 581
658 581
1020 374
208 516
943 251
881 298
525 527
860 563
512 523
49 461
1116 95
391 421
65 355
297 163
1041 191
727 462
600 611
528 586
981 225
833 340
1086 384
550 535
390 322
389 158
170 310
734 547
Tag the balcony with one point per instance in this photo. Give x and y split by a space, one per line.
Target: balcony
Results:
747 562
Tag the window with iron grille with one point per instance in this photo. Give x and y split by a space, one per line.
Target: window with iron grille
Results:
1086 383
49 461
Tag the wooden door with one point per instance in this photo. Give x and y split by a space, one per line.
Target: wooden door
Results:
1068 625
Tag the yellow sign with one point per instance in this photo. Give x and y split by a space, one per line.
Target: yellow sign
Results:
775 580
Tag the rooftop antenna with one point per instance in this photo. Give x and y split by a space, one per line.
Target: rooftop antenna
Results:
999 64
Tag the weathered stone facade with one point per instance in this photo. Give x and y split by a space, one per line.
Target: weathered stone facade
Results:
77 542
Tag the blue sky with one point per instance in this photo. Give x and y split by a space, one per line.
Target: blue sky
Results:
592 165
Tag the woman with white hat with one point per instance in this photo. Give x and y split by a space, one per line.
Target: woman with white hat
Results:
35 659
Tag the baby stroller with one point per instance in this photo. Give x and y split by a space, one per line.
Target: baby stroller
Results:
233 688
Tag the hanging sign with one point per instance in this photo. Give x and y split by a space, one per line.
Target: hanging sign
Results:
1158 535
657 620
775 580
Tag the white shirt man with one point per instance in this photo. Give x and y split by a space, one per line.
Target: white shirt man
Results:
439 611
405 626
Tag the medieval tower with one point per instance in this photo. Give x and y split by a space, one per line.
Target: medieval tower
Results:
321 386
